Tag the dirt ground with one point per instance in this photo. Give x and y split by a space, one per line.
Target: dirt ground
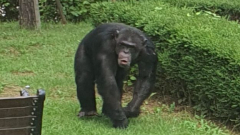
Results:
10 91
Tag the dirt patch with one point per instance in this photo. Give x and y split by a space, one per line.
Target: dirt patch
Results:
69 53
235 17
14 51
10 91
166 105
156 102
33 47
23 73
11 51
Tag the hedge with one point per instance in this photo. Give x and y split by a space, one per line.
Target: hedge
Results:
197 52
74 11
221 7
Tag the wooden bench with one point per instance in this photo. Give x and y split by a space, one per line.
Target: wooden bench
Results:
22 115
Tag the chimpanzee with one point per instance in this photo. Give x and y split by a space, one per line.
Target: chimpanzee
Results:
104 56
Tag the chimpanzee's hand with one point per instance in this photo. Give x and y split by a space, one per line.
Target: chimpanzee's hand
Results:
129 112
120 123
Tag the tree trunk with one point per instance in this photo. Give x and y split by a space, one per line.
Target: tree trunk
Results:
29 16
60 12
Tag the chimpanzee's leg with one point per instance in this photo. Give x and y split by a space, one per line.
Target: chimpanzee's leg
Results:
84 78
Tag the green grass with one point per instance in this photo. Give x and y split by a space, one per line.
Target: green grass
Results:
44 59
60 119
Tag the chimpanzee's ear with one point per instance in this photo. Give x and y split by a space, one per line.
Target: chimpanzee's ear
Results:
144 40
115 34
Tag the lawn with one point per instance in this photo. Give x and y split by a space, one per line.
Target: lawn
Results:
44 59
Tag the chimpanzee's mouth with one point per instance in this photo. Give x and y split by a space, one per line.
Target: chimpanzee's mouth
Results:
124 62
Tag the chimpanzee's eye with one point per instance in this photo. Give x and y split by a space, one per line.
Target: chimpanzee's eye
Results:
122 46
132 49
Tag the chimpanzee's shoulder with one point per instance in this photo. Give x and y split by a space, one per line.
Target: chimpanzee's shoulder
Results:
111 27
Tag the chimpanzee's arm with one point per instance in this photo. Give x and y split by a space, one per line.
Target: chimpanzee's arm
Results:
108 89
145 82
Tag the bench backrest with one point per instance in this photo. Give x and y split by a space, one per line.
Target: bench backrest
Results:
22 115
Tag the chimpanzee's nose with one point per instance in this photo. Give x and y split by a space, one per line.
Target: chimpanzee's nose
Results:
126 50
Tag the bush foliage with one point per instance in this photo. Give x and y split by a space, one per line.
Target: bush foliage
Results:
77 10
200 52
74 10
221 7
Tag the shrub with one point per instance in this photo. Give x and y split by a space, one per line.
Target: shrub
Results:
73 10
8 10
221 7
197 52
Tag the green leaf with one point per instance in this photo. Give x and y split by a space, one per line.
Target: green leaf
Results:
133 78
158 8
129 83
234 106
6 4
86 3
198 13
74 13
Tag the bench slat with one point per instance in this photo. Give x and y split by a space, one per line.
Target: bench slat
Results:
16 102
16 131
16 122
16 111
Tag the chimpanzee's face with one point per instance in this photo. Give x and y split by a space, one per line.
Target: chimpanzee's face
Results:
128 47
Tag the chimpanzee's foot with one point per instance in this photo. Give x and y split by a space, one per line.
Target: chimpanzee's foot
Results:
87 113
130 113
120 123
